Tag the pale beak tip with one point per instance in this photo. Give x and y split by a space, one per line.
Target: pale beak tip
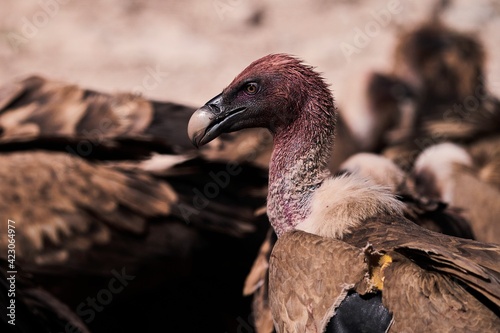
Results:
198 124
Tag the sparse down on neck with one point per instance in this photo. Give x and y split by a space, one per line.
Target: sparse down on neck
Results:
299 163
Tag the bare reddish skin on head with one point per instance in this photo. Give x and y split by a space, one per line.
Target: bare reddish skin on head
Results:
287 86
296 105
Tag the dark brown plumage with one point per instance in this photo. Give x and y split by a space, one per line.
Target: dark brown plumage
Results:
486 156
34 310
100 182
441 63
280 93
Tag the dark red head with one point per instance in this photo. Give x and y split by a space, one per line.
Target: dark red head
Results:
271 92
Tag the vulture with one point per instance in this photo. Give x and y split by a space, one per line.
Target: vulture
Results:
429 213
449 173
101 185
445 70
346 258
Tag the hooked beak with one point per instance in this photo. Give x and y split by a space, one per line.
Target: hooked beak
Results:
211 120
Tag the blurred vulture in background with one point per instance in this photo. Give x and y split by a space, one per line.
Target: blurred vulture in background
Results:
430 213
449 173
445 68
118 216
436 92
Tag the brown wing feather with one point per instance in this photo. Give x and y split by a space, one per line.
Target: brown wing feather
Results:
427 301
436 216
56 199
473 263
314 273
43 111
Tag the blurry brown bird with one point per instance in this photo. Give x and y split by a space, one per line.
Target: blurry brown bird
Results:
445 68
429 213
449 173
357 263
102 182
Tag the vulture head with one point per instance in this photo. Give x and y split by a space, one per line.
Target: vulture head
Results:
280 93
269 93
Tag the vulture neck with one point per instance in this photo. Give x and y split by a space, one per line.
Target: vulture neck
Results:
299 164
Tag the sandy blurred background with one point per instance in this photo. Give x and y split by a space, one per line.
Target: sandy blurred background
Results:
187 51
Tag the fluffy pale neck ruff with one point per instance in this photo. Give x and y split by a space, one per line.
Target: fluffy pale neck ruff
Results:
342 203
302 194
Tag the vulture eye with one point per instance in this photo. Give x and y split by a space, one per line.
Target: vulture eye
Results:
251 88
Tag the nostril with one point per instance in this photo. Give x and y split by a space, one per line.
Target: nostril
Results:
214 103
214 108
